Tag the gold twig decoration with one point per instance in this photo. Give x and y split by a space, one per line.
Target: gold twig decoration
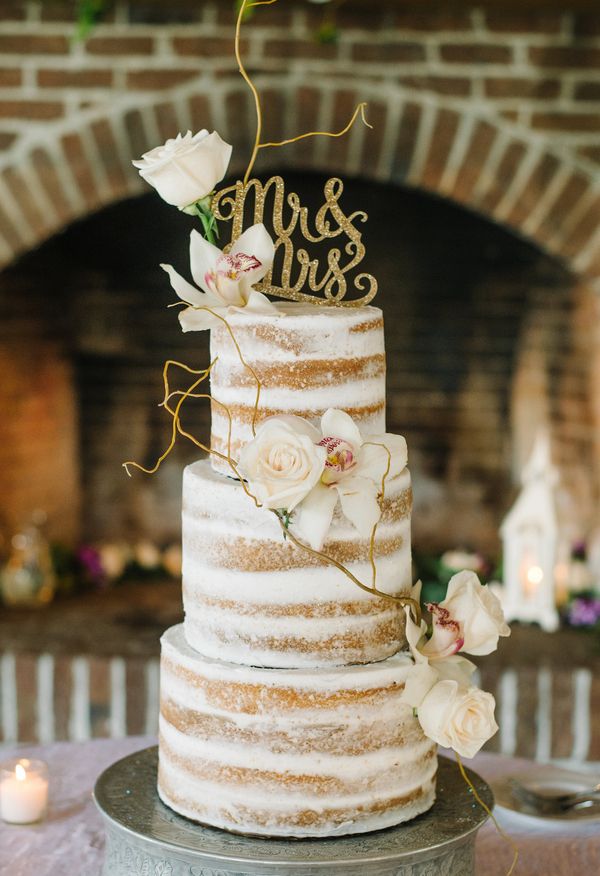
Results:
360 109
507 839
401 600
177 428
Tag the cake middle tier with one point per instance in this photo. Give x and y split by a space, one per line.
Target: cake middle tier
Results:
252 597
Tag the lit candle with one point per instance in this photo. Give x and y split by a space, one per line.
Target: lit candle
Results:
535 576
23 791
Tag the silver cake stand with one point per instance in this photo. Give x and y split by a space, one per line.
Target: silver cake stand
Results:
145 838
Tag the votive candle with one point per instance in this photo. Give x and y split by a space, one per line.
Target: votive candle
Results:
23 790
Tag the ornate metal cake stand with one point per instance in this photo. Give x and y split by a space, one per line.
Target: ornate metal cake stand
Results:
145 838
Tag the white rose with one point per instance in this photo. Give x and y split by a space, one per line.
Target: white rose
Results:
283 463
457 717
478 611
186 169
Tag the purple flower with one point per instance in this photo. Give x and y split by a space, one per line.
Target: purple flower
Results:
584 611
91 563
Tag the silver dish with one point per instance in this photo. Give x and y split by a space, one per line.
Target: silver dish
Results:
145 838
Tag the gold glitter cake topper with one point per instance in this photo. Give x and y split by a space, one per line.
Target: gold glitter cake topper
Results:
294 270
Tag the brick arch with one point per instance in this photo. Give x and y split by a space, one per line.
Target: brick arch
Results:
498 169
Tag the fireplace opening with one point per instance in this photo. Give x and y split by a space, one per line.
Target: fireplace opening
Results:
485 341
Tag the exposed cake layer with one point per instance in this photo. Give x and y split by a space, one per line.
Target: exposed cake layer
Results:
307 359
250 596
283 752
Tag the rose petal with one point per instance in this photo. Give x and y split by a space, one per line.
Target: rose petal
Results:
313 515
419 682
339 424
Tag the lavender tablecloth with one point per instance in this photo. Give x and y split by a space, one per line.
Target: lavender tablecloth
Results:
71 840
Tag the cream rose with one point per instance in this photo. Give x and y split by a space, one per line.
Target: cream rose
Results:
457 717
478 612
186 169
283 462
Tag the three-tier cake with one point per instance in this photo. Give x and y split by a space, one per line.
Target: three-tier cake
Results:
281 708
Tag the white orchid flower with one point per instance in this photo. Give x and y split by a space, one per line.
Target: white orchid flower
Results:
226 279
353 474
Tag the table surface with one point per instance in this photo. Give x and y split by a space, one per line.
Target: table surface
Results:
71 840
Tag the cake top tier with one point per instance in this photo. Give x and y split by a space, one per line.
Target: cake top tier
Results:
305 359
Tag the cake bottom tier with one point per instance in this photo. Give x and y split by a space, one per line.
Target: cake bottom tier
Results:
290 752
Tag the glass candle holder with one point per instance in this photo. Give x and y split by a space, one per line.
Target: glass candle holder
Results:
23 790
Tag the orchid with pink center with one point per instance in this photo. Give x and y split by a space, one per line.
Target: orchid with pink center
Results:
226 279
355 467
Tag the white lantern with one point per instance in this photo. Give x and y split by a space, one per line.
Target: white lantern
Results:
530 539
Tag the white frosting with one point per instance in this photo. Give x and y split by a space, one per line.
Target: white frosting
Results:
252 597
275 760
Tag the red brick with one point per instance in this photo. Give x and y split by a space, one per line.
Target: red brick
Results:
273 108
9 76
580 236
25 199
9 232
136 134
444 132
166 120
587 90
31 44
290 48
273 16
46 173
566 121
521 87
79 166
388 52
432 19
586 24
7 139
207 47
173 12
134 45
239 130
533 190
110 156
566 200
476 155
475 53
55 78
450 85
35 110
506 21
307 101
591 152
373 139
406 140
507 168
200 114
344 105
16 11
154 80
565 56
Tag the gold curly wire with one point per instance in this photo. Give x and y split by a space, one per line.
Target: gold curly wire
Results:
360 109
177 428
507 839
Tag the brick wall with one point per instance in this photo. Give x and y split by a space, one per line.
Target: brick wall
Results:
497 111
